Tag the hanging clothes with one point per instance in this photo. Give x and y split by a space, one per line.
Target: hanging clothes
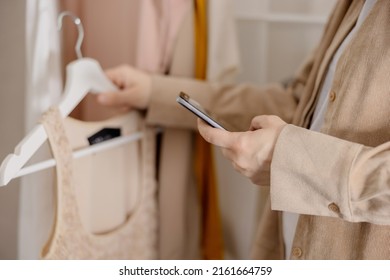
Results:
223 66
211 236
136 238
180 222
43 88
159 22
164 47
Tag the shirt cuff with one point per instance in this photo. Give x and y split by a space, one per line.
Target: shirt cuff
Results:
310 173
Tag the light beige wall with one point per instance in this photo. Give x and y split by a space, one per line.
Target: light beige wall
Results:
276 35
12 88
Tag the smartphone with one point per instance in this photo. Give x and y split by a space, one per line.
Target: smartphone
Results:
185 100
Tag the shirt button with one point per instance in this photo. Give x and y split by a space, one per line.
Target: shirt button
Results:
297 252
332 96
334 208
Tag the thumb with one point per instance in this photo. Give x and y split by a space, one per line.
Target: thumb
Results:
267 121
264 121
259 122
215 136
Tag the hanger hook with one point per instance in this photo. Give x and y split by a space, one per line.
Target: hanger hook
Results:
79 25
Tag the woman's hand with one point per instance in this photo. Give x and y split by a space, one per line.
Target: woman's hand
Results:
250 152
134 88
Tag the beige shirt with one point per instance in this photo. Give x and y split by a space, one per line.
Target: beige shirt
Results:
344 215
290 220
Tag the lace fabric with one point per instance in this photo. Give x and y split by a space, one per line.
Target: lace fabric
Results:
134 239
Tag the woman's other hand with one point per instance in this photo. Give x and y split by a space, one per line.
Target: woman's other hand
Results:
134 88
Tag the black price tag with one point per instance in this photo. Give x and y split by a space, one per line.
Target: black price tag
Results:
104 135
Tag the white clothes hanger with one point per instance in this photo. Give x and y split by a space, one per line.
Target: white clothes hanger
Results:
83 75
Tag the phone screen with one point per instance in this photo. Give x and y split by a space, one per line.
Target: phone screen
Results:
193 106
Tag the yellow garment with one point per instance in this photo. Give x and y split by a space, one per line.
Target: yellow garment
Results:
212 241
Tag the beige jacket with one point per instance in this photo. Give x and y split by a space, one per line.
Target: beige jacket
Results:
345 213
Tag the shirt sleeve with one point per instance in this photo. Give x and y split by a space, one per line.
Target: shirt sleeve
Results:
317 174
233 105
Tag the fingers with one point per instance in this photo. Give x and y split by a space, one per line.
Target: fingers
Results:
125 75
134 88
259 122
118 98
216 136
116 75
122 109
